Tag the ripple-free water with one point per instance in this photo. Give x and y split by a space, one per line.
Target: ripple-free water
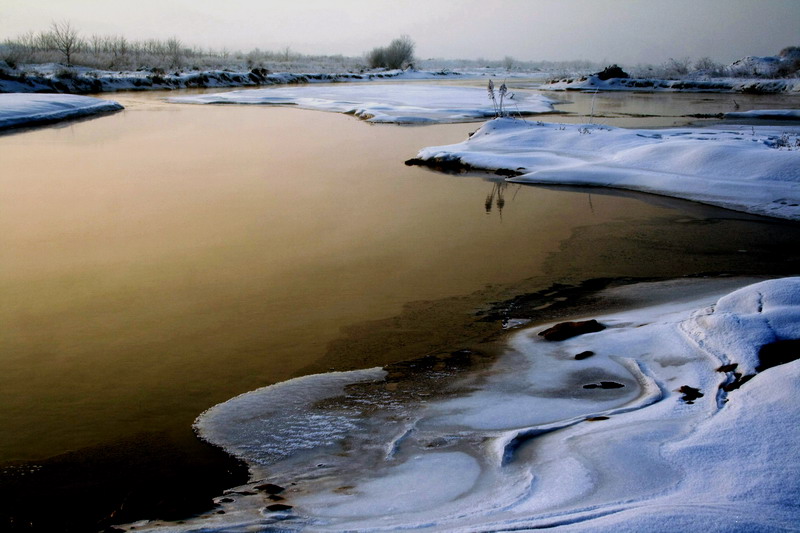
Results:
159 261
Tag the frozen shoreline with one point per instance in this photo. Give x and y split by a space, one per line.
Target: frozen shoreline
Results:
579 458
713 85
81 80
751 169
21 110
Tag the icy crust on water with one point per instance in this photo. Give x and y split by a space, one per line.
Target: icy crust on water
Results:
755 169
17 109
387 103
766 114
529 445
275 422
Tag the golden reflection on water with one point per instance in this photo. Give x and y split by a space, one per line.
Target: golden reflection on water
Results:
163 259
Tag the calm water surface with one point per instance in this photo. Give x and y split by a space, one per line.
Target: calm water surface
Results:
163 259
160 260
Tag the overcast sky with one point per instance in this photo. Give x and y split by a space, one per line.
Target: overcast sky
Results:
622 31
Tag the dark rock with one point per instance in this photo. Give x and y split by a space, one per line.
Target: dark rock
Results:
604 385
778 353
612 71
584 355
276 507
447 164
728 368
690 394
596 418
737 382
276 498
270 488
507 172
227 500
567 330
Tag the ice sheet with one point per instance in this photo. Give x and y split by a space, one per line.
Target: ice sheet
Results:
389 103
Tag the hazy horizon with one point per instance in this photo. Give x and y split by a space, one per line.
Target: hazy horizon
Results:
621 31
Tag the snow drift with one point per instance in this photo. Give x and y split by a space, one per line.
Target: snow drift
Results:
538 440
751 169
18 110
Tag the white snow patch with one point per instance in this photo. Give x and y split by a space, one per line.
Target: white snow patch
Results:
638 461
740 168
26 109
713 85
388 103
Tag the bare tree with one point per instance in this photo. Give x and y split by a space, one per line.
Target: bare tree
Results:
65 39
174 51
119 47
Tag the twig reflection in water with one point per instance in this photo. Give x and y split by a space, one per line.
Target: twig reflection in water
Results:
497 197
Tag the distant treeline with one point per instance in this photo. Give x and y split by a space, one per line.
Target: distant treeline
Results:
62 43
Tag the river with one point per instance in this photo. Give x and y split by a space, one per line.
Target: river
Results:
161 260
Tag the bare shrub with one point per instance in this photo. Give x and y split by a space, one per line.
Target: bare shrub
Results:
399 54
790 62
708 66
677 67
376 58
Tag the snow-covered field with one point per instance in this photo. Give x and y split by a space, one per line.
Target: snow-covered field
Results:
750 169
17 110
387 103
755 75
668 419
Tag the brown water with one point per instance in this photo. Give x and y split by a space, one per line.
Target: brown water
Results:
160 260
163 259
665 109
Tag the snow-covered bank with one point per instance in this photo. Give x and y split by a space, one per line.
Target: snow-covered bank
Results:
81 80
388 103
667 419
714 85
750 169
95 81
17 110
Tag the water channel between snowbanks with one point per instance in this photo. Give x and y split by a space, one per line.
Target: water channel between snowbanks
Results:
167 258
